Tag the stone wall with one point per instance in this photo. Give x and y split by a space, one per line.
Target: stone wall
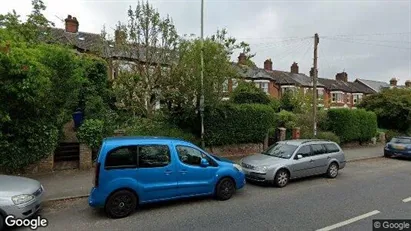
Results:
236 150
43 166
86 160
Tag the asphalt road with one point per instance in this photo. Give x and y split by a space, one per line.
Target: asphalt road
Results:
377 186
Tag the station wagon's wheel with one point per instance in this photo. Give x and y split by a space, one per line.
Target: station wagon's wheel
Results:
121 204
332 171
281 178
225 189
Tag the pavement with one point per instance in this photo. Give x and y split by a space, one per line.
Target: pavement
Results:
76 183
364 190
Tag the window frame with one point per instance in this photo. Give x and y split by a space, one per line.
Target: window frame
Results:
213 163
138 155
303 146
323 147
328 151
338 97
121 166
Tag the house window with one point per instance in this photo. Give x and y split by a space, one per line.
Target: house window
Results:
348 98
288 88
357 98
235 83
320 94
225 86
264 87
337 97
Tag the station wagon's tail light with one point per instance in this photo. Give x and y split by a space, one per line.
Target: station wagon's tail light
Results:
96 174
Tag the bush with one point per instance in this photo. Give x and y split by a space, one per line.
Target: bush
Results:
305 122
323 136
247 93
389 134
235 124
352 125
286 119
157 127
91 132
275 104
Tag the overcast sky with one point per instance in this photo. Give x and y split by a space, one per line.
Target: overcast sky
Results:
373 37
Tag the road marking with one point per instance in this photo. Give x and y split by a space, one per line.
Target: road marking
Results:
349 221
406 200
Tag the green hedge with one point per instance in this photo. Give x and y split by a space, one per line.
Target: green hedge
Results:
352 125
235 124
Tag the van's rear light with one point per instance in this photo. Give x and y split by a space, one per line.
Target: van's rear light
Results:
96 175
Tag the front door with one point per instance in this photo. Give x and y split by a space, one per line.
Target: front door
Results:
194 179
304 166
156 174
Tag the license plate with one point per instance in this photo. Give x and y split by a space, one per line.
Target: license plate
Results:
399 147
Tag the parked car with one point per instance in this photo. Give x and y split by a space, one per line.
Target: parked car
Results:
138 170
19 196
399 146
292 159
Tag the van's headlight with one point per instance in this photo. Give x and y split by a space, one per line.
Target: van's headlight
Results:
21 199
238 167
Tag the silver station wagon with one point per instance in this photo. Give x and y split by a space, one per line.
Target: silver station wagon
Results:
293 159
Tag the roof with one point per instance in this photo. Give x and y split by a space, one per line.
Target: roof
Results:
376 86
95 43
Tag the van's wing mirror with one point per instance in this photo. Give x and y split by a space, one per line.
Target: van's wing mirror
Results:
204 163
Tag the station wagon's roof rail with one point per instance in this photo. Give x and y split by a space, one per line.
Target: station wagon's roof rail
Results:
311 140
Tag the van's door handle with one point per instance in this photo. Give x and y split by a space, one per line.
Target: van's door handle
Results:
168 172
311 160
328 157
183 171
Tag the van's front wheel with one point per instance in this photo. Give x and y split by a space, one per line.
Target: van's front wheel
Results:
121 204
225 189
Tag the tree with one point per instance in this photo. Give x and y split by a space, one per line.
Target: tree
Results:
249 93
150 43
31 32
392 107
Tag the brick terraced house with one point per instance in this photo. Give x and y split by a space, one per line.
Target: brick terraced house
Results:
331 93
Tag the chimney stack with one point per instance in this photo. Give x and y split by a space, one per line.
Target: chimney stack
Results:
71 24
294 68
268 65
242 59
408 83
312 72
343 76
393 82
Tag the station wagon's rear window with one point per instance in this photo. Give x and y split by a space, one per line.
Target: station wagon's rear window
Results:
331 148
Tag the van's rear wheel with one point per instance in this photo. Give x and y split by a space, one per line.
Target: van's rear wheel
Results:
225 189
121 204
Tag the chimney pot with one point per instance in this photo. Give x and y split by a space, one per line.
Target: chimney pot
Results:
343 76
268 65
71 24
242 59
393 82
294 68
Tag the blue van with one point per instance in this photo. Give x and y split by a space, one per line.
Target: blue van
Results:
138 170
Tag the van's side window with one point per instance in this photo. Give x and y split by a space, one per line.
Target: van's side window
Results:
151 156
122 157
331 148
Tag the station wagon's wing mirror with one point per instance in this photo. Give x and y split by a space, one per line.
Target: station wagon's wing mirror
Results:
299 157
204 162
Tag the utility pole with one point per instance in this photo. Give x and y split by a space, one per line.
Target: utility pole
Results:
202 75
315 79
